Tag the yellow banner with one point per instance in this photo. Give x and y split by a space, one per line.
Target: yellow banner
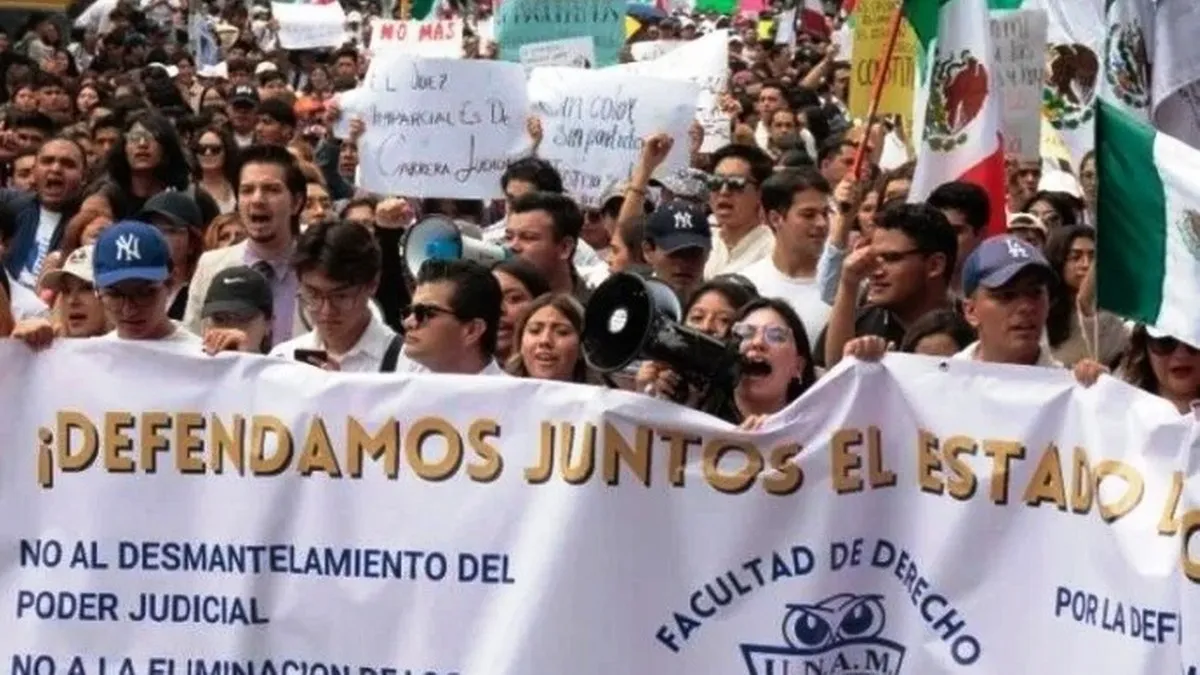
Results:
872 20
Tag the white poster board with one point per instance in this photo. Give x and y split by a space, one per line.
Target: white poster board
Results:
1019 40
434 39
439 127
304 26
595 122
569 52
704 61
648 50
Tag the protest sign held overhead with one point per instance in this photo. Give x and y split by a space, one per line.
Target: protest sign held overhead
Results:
429 39
520 22
568 52
652 49
871 32
310 26
1019 38
595 122
704 61
444 127
913 520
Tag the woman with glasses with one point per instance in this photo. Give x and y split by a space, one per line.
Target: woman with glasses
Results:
216 166
777 362
548 343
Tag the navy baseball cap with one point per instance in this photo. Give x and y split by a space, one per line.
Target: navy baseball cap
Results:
677 225
999 260
130 250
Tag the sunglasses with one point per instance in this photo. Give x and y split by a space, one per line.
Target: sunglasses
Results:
772 335
209 149
731 183
421 312
1165 346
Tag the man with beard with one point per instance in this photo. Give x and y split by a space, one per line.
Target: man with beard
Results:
271 195
41 217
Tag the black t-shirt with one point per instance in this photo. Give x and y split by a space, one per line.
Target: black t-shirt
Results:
869 320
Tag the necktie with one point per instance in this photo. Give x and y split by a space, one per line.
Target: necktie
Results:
264 268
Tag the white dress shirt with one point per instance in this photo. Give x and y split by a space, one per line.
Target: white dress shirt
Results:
366 356
408 365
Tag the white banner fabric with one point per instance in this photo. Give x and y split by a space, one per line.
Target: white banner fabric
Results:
178 514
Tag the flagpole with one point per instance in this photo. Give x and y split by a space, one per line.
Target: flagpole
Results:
877 90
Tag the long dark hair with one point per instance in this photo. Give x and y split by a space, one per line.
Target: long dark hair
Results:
1135 365
229 168
808 374
570 308
1062 300
173 170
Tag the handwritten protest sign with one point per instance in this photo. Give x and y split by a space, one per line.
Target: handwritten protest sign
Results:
520 22
871 29
1019 39
705 62
595 122
310 26
648 50
439 127
570 52
431 39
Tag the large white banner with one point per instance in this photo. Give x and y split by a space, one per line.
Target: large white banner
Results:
181 515
438 127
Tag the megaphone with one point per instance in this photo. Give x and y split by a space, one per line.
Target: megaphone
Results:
440 238
629 318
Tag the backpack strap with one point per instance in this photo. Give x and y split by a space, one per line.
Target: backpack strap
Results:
391 357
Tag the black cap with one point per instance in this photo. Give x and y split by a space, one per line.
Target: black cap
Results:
679 224
178 207
244 94
238 290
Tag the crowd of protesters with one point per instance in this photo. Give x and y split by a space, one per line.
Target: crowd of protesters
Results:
150 200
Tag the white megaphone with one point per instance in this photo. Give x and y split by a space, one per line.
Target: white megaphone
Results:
440 238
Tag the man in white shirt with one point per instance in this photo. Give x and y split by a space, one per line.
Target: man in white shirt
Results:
452 323
740 238
338 265
796 202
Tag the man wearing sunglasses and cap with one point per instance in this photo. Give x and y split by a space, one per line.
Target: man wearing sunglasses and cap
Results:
1006 295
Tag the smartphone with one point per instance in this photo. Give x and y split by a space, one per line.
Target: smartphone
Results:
313 357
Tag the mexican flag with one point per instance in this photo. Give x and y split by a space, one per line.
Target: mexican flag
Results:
1148 224
958 105
1176 72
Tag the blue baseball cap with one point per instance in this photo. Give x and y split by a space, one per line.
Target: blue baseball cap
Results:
130 250
999 260
677 225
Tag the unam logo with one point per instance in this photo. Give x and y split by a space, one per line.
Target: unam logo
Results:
840 634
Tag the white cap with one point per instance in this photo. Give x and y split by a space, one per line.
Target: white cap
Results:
1060 181
78 265
172 71
1027 221
265 67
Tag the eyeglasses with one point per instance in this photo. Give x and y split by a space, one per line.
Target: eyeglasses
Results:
421 312
1165 346
139 297
731 183
137 136
772 334
340 299
209 149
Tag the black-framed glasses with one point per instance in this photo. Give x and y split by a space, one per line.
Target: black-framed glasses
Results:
422 312
731 183
1166 345
340 299
138 297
